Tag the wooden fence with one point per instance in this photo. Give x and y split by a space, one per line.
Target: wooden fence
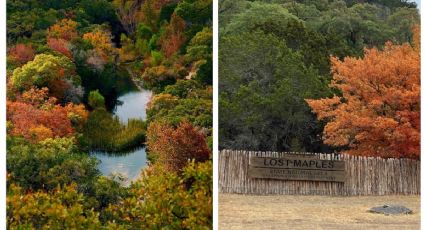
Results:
364 176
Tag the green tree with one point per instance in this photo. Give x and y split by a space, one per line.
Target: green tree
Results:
263 84
44 69
275 19
96 100
48 164
200 46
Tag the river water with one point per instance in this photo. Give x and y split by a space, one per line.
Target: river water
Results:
130 105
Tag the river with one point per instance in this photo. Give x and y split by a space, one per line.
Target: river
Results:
131 104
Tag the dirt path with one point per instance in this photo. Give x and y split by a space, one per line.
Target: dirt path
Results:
314 212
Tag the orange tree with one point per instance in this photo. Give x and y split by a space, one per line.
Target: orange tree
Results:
172 148
378 112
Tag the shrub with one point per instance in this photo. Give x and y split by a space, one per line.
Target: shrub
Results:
22 53
173 148
96 100
63 208
163 199
158 77
48 164
157 57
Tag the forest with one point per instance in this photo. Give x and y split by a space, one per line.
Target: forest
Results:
320 76
68 64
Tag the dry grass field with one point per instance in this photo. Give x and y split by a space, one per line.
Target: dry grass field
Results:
314 212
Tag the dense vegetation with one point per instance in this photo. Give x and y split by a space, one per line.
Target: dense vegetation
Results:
378 112
66 63
275 54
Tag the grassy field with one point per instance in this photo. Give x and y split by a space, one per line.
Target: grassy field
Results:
314 212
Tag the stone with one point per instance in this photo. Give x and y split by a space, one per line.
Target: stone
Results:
391 210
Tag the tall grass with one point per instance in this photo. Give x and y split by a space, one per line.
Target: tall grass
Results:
105 132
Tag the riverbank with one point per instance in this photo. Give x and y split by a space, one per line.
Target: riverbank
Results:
116 136
313 212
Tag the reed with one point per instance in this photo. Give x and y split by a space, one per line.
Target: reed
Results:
105 132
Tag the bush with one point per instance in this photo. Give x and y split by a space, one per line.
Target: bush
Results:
167 107
42 70
144 32
204 73
157 57
96 100
63 208
48 164
162 199
173 148
158 77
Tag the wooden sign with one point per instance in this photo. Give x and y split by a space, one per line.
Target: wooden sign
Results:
296 167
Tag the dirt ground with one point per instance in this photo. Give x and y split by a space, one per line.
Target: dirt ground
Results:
314 212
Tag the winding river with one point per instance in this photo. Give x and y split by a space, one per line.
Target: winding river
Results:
131 104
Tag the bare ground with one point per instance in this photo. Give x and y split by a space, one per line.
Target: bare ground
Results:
314 212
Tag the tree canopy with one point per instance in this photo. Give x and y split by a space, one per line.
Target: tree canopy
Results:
275 54
378 112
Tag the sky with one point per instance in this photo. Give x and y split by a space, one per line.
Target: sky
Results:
418 2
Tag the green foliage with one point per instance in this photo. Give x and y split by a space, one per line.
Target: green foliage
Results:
58 182
267 17
196 110
142 46
392 4
275 19
62 208
153 42
184 89
275 53
402 21
157 57
205 72
42 70
364 24
48 164
166 12
24 23
200 47
96 100
262 93
162 199
158 77
105 192
144 32
98 12
103 131
230 8
103 80
197 12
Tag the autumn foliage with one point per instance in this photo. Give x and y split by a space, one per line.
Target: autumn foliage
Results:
173 38
30 121
65 29
378 113
60 45
36 116
101 40
59 209
174 147
22 53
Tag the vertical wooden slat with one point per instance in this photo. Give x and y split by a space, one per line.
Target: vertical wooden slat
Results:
364 176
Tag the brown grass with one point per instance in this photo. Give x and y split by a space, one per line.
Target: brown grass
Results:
314 212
